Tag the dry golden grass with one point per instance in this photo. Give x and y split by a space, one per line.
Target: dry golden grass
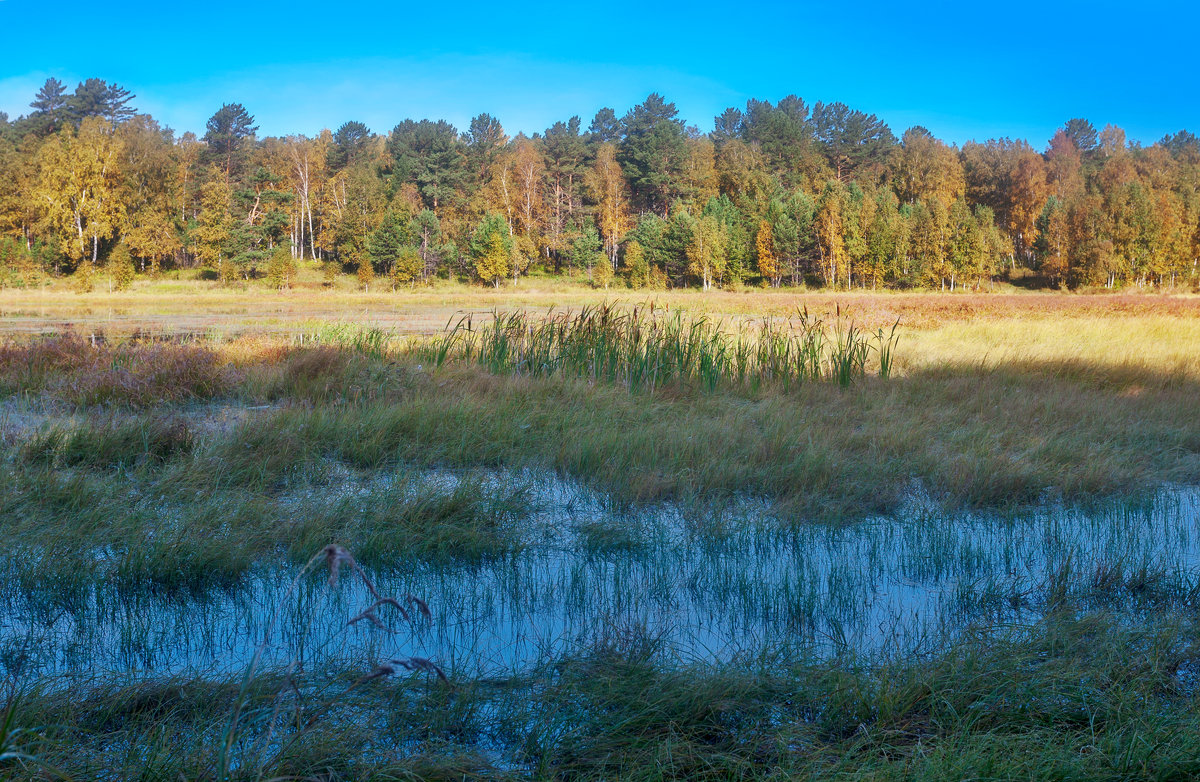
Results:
194 307
1168 344
1135 331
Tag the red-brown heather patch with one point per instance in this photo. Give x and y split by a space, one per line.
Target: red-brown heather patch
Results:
77 370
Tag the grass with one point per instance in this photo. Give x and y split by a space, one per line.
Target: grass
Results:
149 484
645 350
113 443
76 370
171 530
1063 699
1002 439
1075 409
197 308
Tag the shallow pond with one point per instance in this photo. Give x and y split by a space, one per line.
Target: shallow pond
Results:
712 583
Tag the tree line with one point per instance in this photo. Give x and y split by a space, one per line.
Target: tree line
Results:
782 193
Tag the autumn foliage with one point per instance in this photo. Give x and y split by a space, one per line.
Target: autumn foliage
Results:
819 195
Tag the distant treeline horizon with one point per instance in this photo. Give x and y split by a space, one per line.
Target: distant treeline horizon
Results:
776 193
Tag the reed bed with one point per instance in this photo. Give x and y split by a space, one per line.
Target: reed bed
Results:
647 348
364 340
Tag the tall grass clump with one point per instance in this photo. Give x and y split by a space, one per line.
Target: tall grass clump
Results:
125 441
645 349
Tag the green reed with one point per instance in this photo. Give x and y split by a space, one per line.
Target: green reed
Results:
645 348
366 340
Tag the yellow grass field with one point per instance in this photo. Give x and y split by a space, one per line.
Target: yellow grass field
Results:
939 329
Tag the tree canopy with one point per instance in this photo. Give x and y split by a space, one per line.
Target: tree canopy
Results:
776 193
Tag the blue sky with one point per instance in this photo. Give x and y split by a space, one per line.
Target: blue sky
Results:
966 71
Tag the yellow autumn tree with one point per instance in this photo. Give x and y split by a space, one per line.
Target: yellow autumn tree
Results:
924 168
638 266
492 249
214 226
707 250
700 181
152 236
78 188
406 269
529 180
611 193
120 266
365 274
768 264
492 264
829 231
306 175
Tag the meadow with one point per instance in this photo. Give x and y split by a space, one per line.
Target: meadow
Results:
553 532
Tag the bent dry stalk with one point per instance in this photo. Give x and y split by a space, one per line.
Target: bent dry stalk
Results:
644 349
334 557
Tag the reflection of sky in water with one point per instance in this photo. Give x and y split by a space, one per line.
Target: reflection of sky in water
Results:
711 588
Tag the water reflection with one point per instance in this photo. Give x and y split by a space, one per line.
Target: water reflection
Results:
711 583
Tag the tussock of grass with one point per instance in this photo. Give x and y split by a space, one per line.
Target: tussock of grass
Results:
987 707
406 520
125 441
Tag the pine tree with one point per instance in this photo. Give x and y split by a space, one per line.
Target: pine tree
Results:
431 156
50 105
227 140
349 145
654 153
386 242
98 98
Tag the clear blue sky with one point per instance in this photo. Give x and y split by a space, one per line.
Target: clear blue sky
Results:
965 70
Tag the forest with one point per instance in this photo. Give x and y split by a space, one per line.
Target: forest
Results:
776 194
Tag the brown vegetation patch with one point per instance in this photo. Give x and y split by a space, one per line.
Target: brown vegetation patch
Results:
138 375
